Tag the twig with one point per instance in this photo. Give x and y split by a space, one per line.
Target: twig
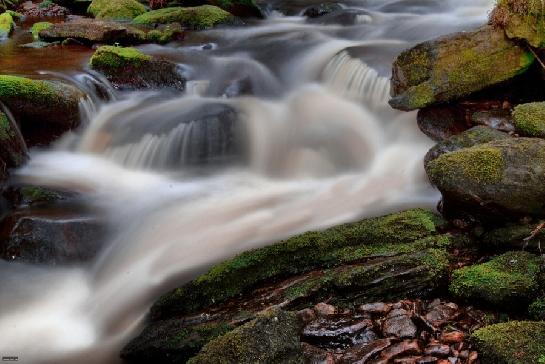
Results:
537 57
536 231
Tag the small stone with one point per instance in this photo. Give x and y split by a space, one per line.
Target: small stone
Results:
307 315
453 337
399 324
473 356
427 360
378 308
362 353
323 309
441 314
438 350
407 347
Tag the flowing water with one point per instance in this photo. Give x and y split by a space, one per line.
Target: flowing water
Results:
284 127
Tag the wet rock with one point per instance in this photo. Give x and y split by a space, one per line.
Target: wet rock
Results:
398 323
323 309
529 119
242 8
364 352
272 337
44 109
498 119
514 236
319 10
453 337
116 9
517 342
53 240
128 68
509 280
500 179
338 331
45 9
440 350
306 315
426 360
13 151
7 24
38 27
442 314
469 138
520 20
199 17
441 122
455 66
378 308
406 347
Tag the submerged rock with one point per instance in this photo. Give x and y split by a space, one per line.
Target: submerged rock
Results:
500 179
199 17
116 9
319 10
128 68
514 342
44 109
509 280
529 119
454 66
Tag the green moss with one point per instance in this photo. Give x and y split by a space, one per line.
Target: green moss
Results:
19 87
195 337
15 15
111 57
479 165
38 27
537 309
32 194
529 119
521 19
116 9
163 35
514 342
383 236
509 279
6 24
199 17
6 130
273 337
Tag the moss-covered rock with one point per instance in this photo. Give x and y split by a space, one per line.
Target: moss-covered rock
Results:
515 342
199 17
12 146
91 31
469 138
273 337
529 119
537 309
241 8
38 27
500 179
508 281
454 66
128 68
35 103
521 19
6 25
328 248
116 9
513 236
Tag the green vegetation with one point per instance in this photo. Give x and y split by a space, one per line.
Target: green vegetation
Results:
38 27
111 57
514 342
6 130
199 17
20 87
508 280
529 119
116 9
6 25
537 309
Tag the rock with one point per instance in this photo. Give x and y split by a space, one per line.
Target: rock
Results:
498 119
38 27
378 308
507 281
406 347
529 119
306 315
537 309
116 9
303 253
521 19
6 25
53 240
442 314
322 9
513 236
38 44
469 138
13 151
362 353
441 122
426 360
340 331
398 323
272 337
199 17
128 68
441 350
45 9
323 309
91 31
44 109
455 66
500 179
243 8
453 337
514 342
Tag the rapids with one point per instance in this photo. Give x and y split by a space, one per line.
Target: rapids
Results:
284 127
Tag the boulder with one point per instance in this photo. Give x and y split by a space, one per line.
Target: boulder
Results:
319 10
38 27
441 122
12 146
116 9
514 236
509 280
469 138
44 109
500 179
529 119
514 342
521 19
199 17
45 9
128 68
6 25
454 66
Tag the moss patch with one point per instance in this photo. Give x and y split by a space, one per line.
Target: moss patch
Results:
20 87
508 280
199 17
529 119
515 342
6 24
111 57
38 27
537 309
6 131
521 19
116 9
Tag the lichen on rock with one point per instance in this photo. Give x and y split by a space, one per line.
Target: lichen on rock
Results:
529 119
